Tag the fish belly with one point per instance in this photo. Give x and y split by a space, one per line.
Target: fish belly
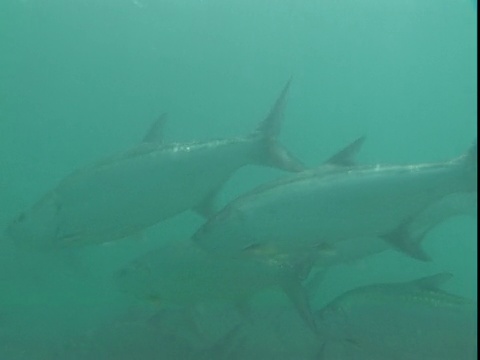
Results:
318 213
101 204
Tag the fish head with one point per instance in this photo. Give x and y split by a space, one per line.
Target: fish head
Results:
35 228
136 279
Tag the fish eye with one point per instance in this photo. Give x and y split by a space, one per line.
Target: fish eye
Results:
21 217
123 273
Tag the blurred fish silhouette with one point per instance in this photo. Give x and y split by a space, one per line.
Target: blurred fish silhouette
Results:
413 320
179 274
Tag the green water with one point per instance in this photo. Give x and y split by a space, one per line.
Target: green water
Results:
83 79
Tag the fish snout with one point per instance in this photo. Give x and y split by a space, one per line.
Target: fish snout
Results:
131 278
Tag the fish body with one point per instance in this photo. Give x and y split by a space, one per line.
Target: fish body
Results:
408 321
316 209
154 181
180 274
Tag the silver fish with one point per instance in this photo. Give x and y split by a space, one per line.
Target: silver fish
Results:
153 181
181 274
178 273
408 321
316 209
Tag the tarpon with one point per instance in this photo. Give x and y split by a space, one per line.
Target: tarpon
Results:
180 274
314 210
413 320
124 194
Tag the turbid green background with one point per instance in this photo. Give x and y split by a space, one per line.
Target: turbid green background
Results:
83 79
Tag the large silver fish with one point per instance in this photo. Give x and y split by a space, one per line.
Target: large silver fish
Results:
121 195
316 209
410 321
180 274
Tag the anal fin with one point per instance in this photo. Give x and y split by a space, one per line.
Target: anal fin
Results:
402 240
207 207
291 282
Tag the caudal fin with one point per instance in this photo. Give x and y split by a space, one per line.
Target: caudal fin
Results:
271 152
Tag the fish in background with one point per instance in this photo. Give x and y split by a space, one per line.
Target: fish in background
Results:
317 209
151 182
180 274
274 333
414 320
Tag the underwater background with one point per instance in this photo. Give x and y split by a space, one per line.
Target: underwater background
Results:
80 80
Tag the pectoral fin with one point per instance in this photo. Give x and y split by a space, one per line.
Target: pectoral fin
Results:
207 207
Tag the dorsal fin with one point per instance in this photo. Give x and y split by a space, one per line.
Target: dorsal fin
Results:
346 156
271 125
156 132
432 282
